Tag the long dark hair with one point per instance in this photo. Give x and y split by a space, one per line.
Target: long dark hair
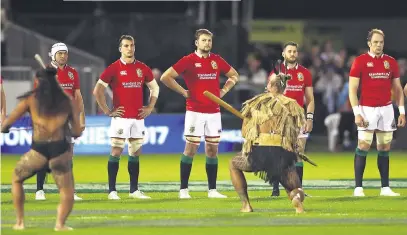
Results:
51 98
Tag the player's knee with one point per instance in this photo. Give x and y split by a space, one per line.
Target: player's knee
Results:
135 146
384 138
385 147
365 139
211 150
211 146
190 152
190 149
66 196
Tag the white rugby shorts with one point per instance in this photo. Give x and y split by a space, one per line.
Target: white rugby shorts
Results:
379 118
126 128
202 124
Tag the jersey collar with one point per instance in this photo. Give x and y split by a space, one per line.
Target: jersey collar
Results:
123 62
201 56
374 56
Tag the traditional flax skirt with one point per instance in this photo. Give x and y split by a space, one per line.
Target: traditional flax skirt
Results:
267 158
270 161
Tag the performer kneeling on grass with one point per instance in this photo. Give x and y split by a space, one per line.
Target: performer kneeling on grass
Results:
270 128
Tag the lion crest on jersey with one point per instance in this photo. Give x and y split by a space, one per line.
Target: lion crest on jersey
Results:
300 77
139 73
214 65
70 75
386 64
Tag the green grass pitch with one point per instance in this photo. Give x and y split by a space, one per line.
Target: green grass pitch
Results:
331 209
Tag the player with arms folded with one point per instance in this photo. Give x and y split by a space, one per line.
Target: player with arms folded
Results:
377 74
201 70
126 77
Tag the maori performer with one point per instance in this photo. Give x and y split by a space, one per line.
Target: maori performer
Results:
270 128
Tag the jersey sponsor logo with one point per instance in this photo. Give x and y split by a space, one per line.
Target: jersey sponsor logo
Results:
380 75
70 75
198 65
123 72
139 73
386 64
66 85
293 88
369 64
132 84
207 76
214 65
300 76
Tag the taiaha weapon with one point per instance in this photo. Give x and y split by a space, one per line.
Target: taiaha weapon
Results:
222 103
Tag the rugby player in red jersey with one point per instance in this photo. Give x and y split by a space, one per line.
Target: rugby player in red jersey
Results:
377 74
126 77
201 70
68 79
298 88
